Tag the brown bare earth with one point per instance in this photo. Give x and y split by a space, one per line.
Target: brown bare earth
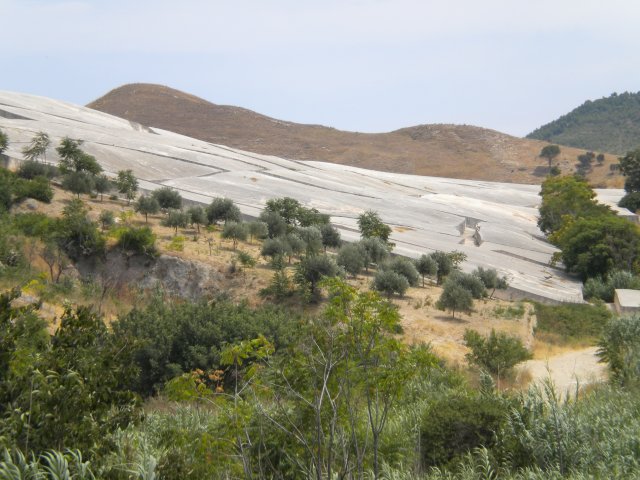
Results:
457 151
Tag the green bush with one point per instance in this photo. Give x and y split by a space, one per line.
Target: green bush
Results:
455 426
405 267
31 169
498 353
631 201
390 282
619 346
139 241
174 338
571 322
598 289
246 259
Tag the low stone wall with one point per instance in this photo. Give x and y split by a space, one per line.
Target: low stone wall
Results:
514 294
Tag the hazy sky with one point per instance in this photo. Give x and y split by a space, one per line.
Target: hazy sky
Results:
362 65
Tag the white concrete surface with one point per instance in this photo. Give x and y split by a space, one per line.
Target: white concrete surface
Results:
426 213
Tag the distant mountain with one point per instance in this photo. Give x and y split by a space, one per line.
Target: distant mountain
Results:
458 151
610 124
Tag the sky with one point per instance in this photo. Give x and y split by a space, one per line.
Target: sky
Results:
359 65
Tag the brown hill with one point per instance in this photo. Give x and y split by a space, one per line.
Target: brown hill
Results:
458 151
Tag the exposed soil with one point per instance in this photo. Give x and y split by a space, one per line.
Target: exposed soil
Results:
456 151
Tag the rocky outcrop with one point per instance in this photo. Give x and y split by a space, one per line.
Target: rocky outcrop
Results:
183 278
189 279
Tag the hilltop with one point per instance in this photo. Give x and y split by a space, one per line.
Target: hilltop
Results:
458 151
609 124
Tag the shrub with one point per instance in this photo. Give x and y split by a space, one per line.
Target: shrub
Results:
312 239
377 250
571 322
175 338
598 289
471 283
330 236
107 219
177 243
619 346
175 219
405 267
456 425
257 230
139 241
352 258
310 270
38 189
31 169
631 201
276 225
498 353
490 279
246 259
390 282
275 247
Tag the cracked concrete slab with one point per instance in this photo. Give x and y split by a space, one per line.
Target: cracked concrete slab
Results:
426 213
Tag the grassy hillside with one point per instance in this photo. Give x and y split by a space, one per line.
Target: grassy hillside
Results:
457 151
610 124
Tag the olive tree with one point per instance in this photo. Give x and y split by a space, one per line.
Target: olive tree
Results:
235 232
352 258
390 282
147 204
426 267
127 184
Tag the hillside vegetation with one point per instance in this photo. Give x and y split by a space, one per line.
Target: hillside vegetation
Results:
456 151
298 365
609 124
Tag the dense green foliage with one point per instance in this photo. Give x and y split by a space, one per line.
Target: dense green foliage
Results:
82 373
404 267
595 246
174 338
593 240
598 289
136 241
14 189
31 169
610 124
4 142
390 282
620 348
567 196
570 322
352 257
456 425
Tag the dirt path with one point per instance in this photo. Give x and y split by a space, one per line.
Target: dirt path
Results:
566 369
